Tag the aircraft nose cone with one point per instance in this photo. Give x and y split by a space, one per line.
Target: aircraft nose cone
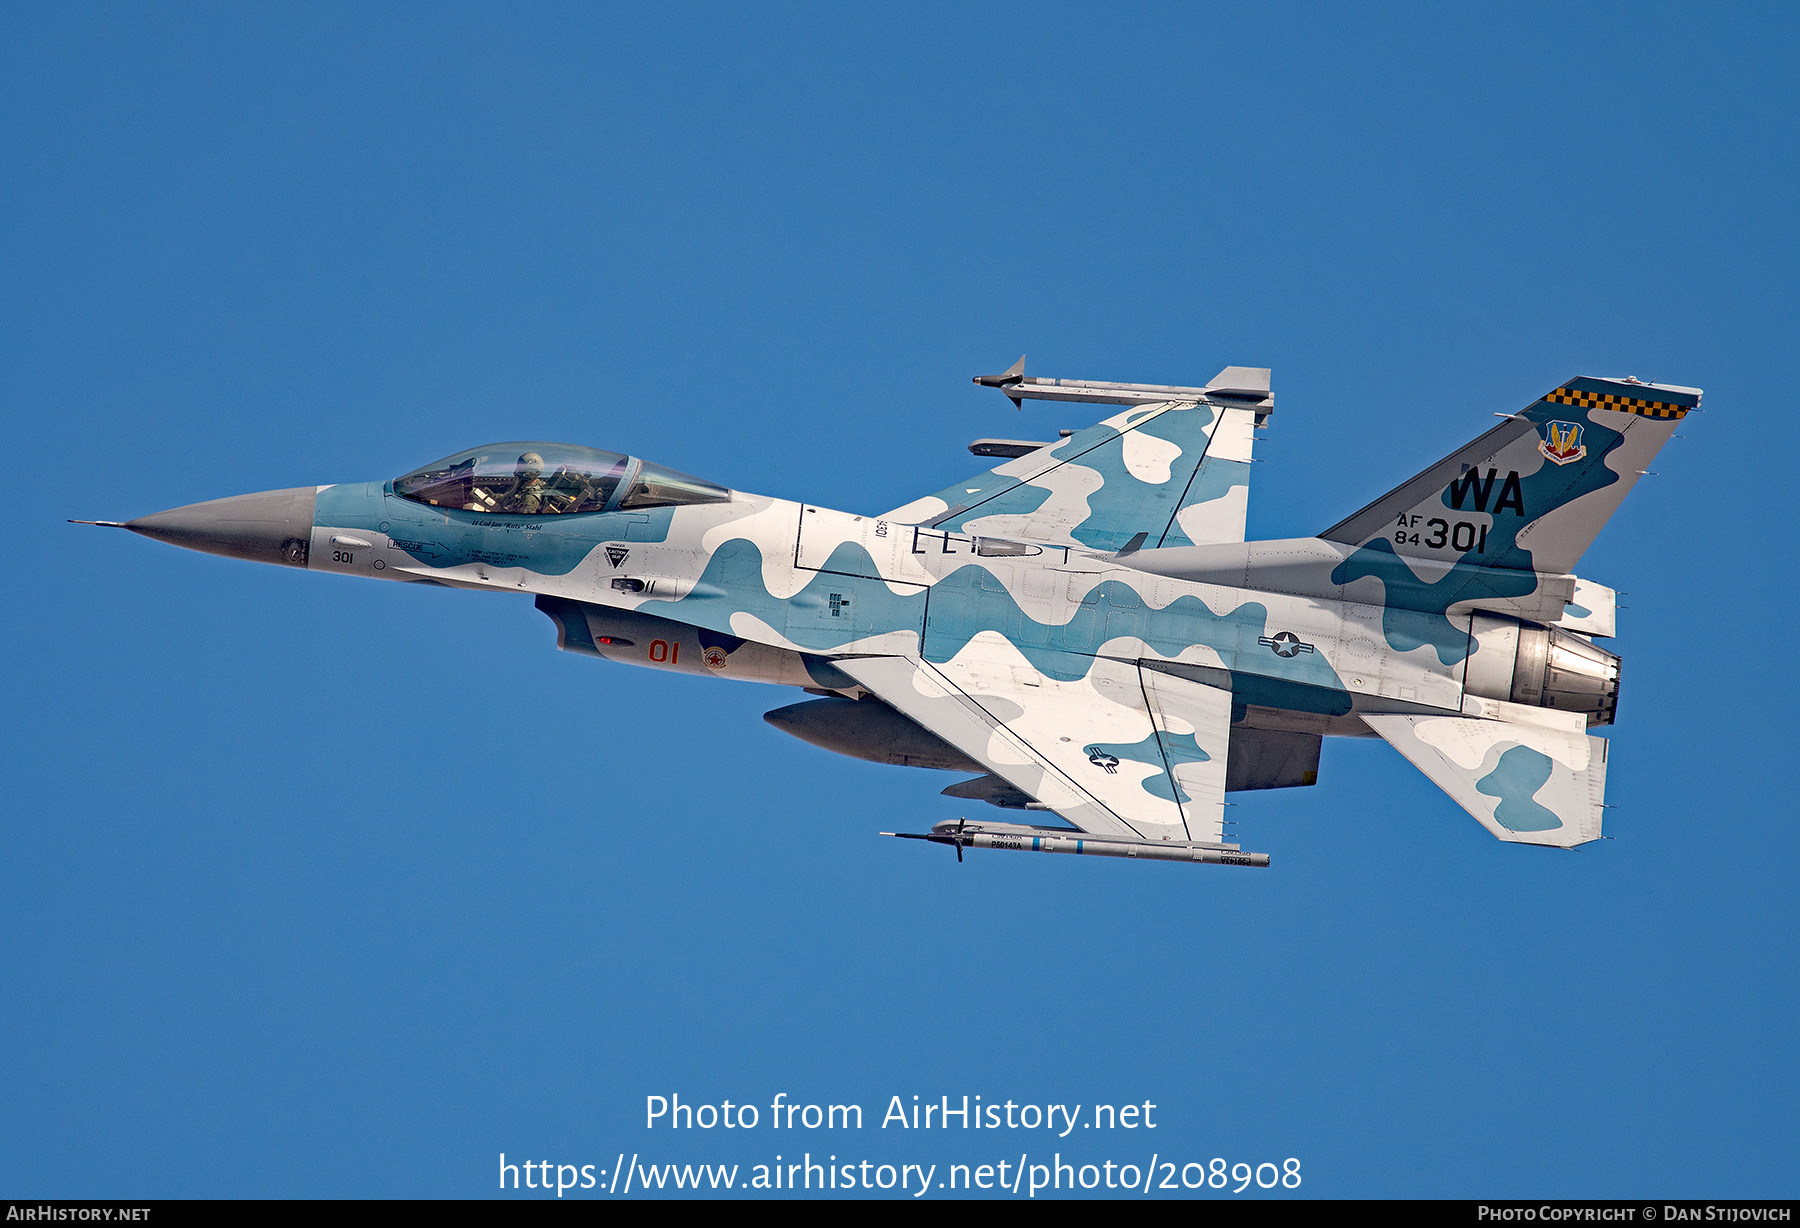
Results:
274 526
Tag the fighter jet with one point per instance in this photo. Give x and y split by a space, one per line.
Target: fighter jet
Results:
1082 627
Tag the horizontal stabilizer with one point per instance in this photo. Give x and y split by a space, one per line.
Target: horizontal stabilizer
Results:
1593 610
1536 781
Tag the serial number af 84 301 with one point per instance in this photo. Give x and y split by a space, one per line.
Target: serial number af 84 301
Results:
1436 533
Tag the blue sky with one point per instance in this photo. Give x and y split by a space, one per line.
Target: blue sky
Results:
318 887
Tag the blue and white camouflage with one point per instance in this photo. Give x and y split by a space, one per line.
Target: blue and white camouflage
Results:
1082 627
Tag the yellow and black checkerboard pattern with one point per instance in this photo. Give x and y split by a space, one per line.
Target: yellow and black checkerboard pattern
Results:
1608 400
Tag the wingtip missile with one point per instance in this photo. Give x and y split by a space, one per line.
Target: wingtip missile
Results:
1234 387
1020 838
1011 375
1005 381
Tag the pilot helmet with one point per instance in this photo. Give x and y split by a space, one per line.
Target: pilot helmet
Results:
531 465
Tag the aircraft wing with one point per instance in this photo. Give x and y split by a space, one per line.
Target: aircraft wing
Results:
1175 471
1118 752
1537 780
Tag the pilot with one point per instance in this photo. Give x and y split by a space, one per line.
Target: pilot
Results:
527 495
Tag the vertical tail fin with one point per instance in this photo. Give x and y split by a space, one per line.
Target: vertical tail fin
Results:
1534 492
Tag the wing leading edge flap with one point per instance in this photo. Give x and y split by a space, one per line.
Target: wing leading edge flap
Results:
1526 782
1115 752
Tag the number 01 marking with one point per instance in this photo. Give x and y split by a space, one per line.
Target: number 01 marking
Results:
661 650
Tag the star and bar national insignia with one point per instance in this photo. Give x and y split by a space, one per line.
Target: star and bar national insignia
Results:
1284 644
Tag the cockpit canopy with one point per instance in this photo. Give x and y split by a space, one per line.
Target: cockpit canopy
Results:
551 479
